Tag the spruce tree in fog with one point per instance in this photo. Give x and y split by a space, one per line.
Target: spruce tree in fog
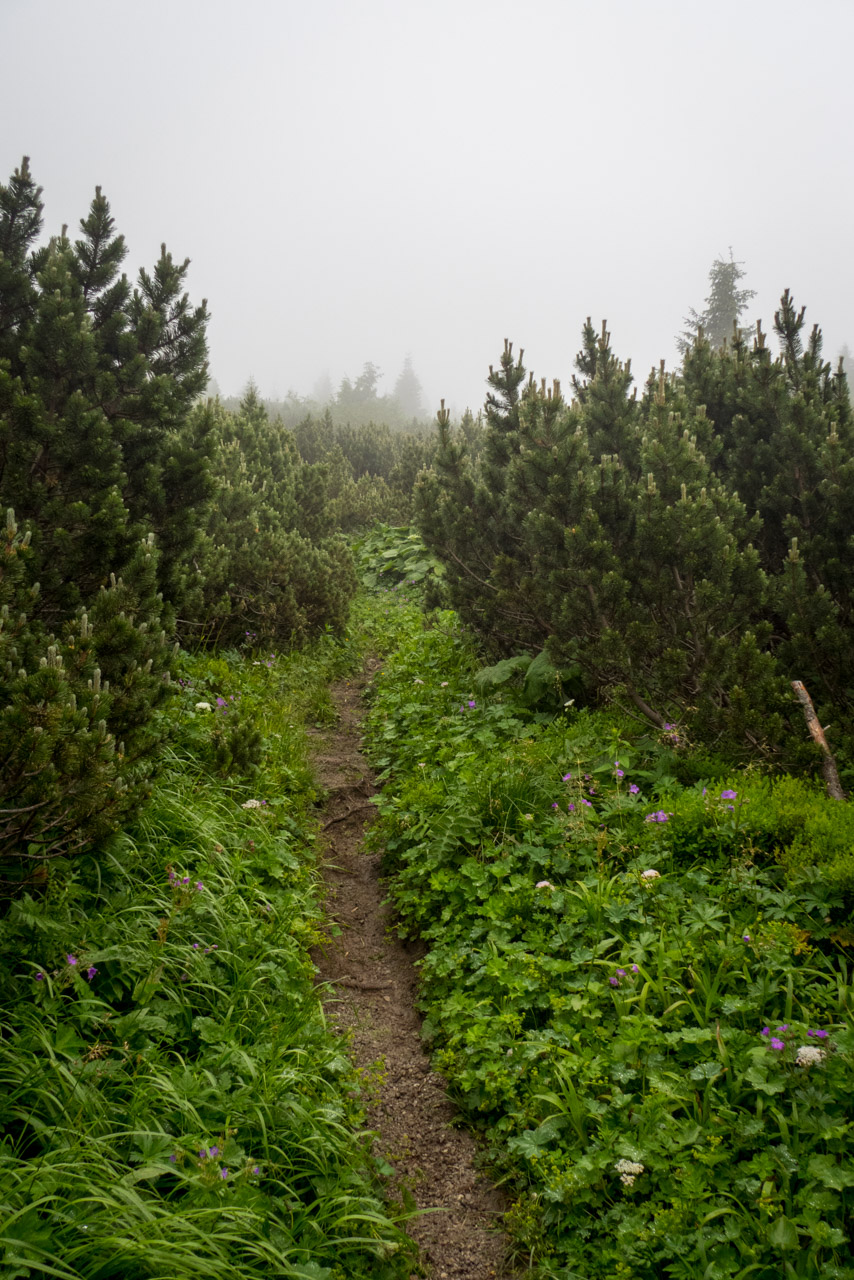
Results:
725 305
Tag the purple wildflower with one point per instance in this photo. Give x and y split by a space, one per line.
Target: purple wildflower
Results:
615 982
90 972
777 1044
746 938
223 1173
195 946
766 1031
213 1151
570 808
634 789
619 773
173 1158
255 1169
587 802
199 885
621 973
567 777
821 1035
471 704
202 1154
40 978
635 969
728 795
785 1027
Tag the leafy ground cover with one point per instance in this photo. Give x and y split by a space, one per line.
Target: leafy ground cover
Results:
638 979
171 1101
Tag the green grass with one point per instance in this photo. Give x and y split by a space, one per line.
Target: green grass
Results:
184 1110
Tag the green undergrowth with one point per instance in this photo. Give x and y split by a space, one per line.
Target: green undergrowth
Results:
639 974
172 1103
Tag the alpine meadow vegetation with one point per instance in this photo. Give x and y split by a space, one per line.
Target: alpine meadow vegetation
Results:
637 981
601 813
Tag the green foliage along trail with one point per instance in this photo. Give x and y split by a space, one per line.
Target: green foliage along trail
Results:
638 979
171 1101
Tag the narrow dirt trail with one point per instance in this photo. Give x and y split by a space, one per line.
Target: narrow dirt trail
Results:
373 984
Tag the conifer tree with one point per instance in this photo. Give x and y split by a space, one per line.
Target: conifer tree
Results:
99 467
721 317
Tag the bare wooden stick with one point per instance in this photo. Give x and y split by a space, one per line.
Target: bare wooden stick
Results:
828 767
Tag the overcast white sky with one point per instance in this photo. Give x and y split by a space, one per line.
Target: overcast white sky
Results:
360 180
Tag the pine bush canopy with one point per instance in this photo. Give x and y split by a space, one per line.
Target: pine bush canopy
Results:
688 551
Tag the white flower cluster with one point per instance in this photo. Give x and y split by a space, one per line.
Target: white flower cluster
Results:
650 875
628 1171
251 804
204 706
808 1055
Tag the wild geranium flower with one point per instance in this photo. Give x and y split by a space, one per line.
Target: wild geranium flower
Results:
615 982
766 1031
621 973
587 802
255 1170
199 885
570 808
472 703
785 1027
555 804
223 1173
567 777
635 968
213 1151
619 773
746 937
40 978
777 1044
72 960
90 972
633 788
728 795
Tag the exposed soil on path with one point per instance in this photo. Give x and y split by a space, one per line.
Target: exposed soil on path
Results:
373 983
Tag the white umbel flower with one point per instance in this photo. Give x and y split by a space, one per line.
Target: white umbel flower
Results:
650 875
204 706
628 1171
251 804
808 1055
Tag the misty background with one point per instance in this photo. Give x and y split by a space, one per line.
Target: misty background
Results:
369 181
